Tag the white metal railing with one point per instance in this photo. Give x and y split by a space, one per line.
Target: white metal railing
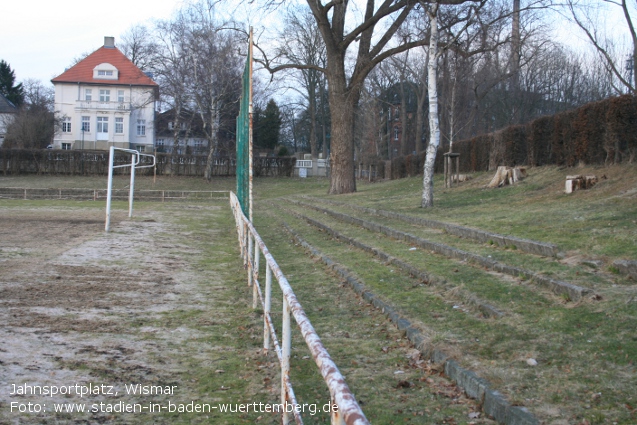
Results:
322 163
303 163
252 247
111 106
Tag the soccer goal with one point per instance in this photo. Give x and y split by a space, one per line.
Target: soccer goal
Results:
134 164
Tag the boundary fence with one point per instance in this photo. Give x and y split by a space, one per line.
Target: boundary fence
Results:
252 247
80 162
118 194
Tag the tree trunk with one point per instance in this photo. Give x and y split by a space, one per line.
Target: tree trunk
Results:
434 127
212 137
343 103
342 179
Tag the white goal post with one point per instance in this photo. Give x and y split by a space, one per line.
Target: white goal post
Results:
135 158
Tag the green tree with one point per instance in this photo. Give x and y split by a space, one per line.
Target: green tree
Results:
14 93
269 126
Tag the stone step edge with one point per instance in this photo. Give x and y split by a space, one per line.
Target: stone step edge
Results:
558 287
493 403
532 247
486 309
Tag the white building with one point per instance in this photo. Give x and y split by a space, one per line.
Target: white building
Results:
105 101
7 113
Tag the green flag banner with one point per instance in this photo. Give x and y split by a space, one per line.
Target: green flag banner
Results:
244 137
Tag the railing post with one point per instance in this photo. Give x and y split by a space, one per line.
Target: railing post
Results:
286 347
249 259
245 243
266 307
255 280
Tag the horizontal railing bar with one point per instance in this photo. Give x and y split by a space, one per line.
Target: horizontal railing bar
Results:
349 409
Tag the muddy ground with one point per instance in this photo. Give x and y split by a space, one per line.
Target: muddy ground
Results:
79 306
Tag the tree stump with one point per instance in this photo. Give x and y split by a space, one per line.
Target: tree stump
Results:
579 182
506 175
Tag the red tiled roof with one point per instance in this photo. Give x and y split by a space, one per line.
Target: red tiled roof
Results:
82 72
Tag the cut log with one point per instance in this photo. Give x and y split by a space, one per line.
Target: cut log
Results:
506 175
459 178
579 182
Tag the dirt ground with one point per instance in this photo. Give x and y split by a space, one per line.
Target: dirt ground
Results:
77 307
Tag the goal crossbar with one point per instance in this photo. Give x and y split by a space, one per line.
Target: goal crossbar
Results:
135 163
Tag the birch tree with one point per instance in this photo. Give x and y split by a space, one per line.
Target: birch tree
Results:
434 124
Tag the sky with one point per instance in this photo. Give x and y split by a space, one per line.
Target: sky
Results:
40 38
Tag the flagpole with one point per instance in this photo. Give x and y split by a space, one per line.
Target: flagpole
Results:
250 127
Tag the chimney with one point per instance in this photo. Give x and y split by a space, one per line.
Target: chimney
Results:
109 42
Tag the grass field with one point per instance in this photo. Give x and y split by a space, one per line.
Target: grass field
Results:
585 350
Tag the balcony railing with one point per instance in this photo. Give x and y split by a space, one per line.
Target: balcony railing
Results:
110 106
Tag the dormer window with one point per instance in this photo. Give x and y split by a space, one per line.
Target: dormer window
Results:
105 71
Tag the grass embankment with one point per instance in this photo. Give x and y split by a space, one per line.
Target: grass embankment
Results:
585 351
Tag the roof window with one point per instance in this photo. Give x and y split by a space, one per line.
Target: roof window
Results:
105 71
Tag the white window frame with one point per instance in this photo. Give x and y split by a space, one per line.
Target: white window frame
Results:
66 125
86 124
119 125
141 127
88 95
104 73
105 95
120 96
66 146
102 125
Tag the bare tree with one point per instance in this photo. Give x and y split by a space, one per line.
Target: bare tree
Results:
621 66
302 44
35 124
342 26
139 45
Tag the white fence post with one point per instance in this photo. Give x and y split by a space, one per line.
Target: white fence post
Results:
266 307
255 280
286 347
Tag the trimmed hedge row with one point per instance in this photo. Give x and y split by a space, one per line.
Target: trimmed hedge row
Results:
75 162
602 132
597 133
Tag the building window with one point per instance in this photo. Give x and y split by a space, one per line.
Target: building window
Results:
198 144
171 125
141 127
88 95
102 124
105 95
141 148
66 125
119 125
86 124
66 146
103 73
395 133
120 96
160 142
